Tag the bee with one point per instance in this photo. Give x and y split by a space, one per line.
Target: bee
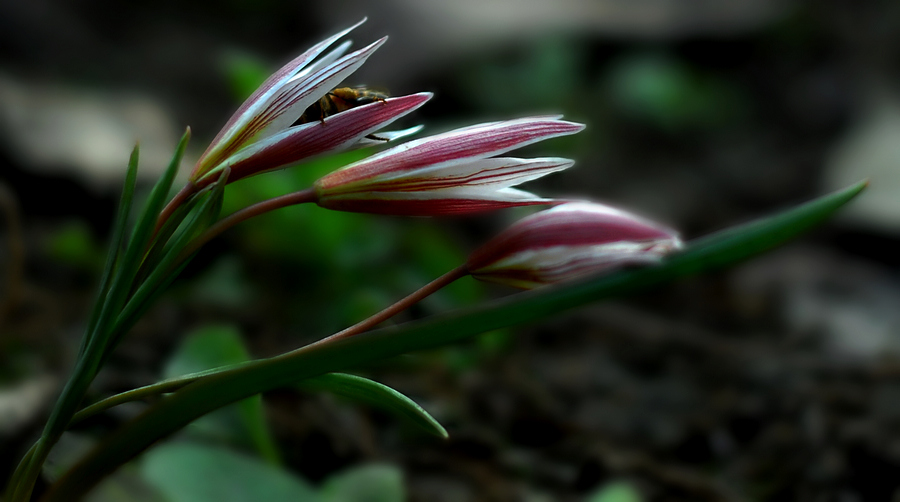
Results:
338 100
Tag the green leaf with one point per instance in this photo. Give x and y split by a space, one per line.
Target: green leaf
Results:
369 392
242 423
199 473
137 246
618 491
368 483
115 244
175 411
165 272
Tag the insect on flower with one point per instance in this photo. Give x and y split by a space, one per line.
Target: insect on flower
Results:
276 126
339 100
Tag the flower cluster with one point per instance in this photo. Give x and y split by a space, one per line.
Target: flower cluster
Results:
457 172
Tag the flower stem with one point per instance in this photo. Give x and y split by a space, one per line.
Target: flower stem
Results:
189 189
174 384
303 196
400 306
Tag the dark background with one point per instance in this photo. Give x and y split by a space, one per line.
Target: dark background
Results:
777 380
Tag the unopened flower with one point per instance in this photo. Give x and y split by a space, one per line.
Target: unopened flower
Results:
567 242
260 136
450 173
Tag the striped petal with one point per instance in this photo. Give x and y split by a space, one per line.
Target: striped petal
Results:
496 173
454 147
245 123
568 242
304 90
455 201
334 133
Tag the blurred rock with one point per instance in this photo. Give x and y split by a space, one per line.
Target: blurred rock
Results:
848 306
88 134
871 149
432 30
19 405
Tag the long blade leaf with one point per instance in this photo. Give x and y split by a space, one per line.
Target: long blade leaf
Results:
115 243
363 390
195 400
165 272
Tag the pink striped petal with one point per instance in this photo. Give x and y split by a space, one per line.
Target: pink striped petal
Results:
304 90
457 146
227 141
440 203
336 132
567 242
496 173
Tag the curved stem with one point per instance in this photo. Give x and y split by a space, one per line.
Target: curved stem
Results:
174 384
164 387
400 306
303 196
16 478
186 191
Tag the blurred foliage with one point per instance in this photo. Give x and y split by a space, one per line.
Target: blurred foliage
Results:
368 483
73 244
185 472
545 75
242 423
617 491
243 72
367 262
670 94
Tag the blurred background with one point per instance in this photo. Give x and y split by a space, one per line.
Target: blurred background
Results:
777 380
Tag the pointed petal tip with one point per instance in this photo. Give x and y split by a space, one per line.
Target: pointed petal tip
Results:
419 97
355 26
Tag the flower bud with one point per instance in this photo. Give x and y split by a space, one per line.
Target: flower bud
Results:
450 173
567 242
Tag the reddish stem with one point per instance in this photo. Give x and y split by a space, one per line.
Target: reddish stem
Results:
303 196
400 306
189 189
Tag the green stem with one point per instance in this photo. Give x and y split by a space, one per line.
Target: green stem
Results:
205 395
173 384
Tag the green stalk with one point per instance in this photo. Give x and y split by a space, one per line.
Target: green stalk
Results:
95 348
203 396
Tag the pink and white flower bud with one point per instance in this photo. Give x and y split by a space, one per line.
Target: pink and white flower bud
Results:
260 137
568 242
450 173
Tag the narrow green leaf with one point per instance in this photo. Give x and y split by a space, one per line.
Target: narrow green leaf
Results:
96 348
137 245
363 390
115 244
352 387
158 246
210 393
168 267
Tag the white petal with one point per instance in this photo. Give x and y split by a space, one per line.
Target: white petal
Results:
388 136
470 193
298 94
324 60
497 172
